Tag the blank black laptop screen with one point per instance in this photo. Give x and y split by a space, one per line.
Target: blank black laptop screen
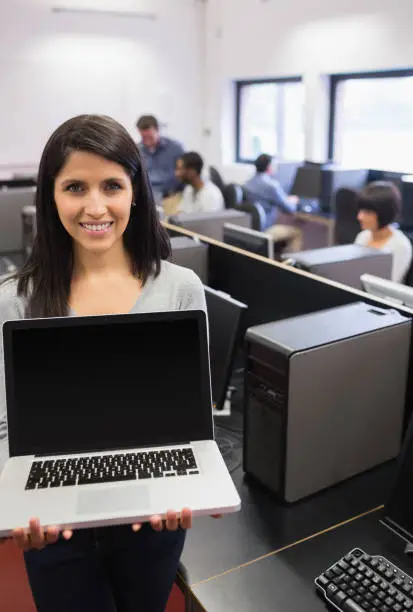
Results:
108 386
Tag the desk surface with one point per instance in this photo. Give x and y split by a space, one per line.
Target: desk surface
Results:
316 216
264 525
284 581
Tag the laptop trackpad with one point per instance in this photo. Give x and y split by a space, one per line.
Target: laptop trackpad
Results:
113 499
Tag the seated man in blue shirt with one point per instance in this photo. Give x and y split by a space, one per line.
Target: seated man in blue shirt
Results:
160 155
264 189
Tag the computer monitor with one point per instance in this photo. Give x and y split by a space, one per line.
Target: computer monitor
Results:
249 240
385 175
286 173
308 182
225 316
388 290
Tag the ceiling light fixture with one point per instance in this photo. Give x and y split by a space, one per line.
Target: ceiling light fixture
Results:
107 13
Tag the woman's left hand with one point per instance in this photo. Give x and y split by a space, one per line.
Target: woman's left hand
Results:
171 523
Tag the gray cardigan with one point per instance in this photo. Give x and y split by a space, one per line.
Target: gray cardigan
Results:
175 288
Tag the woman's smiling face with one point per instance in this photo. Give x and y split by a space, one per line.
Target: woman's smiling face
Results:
93 197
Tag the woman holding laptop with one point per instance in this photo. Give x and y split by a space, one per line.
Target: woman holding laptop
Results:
99 249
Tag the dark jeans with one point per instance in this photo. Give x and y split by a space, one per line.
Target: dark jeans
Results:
111 569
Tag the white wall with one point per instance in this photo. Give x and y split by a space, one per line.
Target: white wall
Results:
312 38
182 65
54 66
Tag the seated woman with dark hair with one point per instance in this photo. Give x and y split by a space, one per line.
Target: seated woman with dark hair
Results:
379 205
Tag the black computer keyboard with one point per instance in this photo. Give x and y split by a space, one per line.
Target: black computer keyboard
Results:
360 582
111 468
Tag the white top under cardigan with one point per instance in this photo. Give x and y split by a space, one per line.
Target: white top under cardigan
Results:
399 245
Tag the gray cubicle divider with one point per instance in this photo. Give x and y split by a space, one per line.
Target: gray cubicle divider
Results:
344 263
192 254
12 202
212 224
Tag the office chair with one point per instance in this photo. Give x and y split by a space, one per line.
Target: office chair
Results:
233 195
216 178
409 276
257 214
236 197
408 280
346 209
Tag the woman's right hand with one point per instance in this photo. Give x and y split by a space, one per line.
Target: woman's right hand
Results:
37 537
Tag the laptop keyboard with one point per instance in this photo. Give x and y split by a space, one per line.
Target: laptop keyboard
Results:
111 468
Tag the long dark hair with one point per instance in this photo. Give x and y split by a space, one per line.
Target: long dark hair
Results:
45 279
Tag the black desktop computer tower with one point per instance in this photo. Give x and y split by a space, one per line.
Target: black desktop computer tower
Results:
324 397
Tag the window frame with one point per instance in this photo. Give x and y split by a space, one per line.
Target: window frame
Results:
337 79
239 87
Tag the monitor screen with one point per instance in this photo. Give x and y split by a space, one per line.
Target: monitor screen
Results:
224 315
102 386
248 240
307 182
388 290
285 174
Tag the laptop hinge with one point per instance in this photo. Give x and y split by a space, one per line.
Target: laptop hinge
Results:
109 450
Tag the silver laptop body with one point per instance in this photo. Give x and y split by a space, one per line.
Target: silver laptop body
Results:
110 421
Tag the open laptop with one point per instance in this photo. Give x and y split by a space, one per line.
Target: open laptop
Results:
110 421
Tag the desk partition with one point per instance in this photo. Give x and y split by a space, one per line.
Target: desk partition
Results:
274 291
